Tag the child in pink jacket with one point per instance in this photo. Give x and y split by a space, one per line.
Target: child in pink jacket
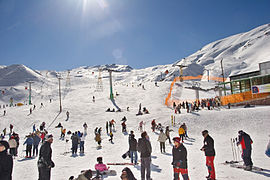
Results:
100 167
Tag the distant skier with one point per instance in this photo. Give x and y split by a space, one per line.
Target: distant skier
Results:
245 141
107 127
67 113
98 138
153 124
209 151
181 133
5 112
5 131
167 132
10 128
34 128
94 99
141 126
179 153
124 127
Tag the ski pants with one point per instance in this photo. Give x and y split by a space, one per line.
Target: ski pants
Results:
74 148
131 156
35 150
210 166
247 157
182 137
12 151
44 173
162 146
176 172
28 150
168 137
82 146
145 165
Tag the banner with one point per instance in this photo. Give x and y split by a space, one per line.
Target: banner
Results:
265 88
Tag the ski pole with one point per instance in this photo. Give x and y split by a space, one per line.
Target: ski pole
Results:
232 149
235 151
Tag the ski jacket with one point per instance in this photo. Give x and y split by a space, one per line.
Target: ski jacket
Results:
36 140
209 149
98 138
144 147
245 141
162 137
101 167
45 156
132 144
29 141
179 157
12 143
75 139
181 131
6 165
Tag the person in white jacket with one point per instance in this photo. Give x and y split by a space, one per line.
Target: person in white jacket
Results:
12 145
162 139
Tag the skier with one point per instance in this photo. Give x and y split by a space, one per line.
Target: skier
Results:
67 113
209 151
94 99
29 143
82 139
181 132
10 128
112 124
12 146
153 123
6 163
30 110
98 139
141 126
133 148
45 162
162 138
63 133
36 141
145 149
179 163
167 132
124 127
75 141
245 141
185 128
100 167
111 137
5 131
5 112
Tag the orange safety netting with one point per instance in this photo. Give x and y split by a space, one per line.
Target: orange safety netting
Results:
168 100
245 96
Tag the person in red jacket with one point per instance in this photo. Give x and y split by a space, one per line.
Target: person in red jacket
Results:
245 141
179 163
210 153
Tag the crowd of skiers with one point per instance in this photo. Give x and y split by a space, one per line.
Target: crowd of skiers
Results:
210 104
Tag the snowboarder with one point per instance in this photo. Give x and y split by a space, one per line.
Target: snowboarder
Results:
245 141
145 149
29 143
162 139
45 162
133 149
209 151
179 163
6 163
100 167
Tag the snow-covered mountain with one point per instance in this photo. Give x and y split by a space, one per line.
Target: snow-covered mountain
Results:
240 53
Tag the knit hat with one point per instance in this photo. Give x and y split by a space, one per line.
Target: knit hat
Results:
49 137
99 159
177 139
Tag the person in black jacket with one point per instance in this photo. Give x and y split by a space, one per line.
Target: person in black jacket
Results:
6 162
179 163
145 149
133 148
45 162
245 141
209 151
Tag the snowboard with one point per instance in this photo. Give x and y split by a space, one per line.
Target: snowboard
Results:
239 166
106 173
124 156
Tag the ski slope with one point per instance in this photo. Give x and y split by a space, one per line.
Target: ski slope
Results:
222 124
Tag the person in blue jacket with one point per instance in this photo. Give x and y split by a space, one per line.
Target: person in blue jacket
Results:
29 143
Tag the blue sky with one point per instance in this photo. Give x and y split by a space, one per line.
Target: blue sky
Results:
65 34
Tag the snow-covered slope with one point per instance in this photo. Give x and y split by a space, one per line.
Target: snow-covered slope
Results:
240 53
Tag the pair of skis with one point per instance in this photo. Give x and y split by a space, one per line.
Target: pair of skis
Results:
236 152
